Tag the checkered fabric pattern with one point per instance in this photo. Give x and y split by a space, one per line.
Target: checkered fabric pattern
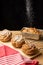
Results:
11 60
9 56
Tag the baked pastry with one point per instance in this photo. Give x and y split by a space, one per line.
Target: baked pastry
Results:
25 30
31 33
29 49
31 30
17 41
5 35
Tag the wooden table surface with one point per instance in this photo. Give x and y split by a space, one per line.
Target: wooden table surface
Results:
39 44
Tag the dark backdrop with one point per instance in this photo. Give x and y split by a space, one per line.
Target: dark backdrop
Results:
13 14
38 13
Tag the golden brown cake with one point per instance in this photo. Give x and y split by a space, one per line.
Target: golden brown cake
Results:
29 49
32 30
17 41
25 30
31 33
5 35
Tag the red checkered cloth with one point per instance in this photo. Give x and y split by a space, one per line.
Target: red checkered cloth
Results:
9 56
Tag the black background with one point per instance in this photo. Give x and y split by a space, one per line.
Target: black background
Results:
38 13
13 14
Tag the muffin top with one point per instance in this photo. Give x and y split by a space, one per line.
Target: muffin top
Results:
18 38
5 32
29 49
32 30
29 46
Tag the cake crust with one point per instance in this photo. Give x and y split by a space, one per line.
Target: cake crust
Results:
17 41
5 35
29 49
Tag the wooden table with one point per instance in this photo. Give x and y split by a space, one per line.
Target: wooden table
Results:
39 44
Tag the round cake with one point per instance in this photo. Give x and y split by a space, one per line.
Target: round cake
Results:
17 41
29 49
5 35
